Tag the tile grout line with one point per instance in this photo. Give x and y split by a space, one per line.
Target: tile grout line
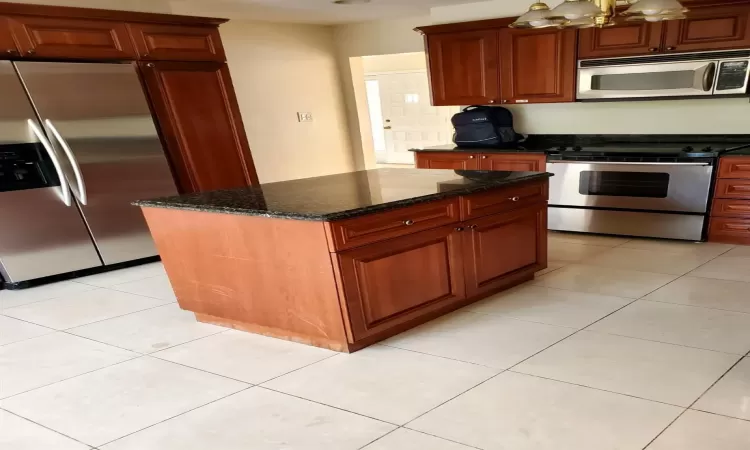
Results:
177 415
689 408
45 427
663 342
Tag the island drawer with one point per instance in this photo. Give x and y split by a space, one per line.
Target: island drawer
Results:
731 208
496 201
350 233
734 167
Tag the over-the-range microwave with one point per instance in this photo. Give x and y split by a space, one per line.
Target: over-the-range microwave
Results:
721 73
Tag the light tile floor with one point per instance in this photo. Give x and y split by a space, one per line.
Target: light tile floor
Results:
620 344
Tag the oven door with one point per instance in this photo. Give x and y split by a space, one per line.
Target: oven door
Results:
645 186
671 79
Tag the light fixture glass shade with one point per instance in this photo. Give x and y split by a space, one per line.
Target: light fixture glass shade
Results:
576 9
538 16
656 8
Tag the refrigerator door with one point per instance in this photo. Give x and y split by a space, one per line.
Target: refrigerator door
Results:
98 116
41 230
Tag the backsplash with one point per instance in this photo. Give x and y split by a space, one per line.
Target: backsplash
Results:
714 116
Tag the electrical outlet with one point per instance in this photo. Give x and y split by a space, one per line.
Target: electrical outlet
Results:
304 117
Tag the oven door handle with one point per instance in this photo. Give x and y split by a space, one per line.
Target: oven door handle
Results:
620 163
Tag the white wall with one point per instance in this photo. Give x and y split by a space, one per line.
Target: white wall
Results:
482 10
277 71
394 63
154 6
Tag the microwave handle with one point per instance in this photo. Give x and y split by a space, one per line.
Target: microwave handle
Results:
708 77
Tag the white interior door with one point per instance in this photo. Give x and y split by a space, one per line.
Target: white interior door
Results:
409 120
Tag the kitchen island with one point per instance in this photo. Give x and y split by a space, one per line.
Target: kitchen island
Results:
343 261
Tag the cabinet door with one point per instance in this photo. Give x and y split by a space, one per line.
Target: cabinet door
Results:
513 162
447 160
8 46
538 66
637 38
177 43
72 38
201 125
502 245
710 28
392 282
464 68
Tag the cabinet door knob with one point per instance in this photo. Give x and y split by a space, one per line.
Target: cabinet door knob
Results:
471 227
408 222
671 48
514 199
490 101
31 51
459 228
653 49
471 156
150 65
505 101
484 156
10 51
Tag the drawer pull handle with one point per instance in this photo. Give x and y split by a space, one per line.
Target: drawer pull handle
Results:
408 222
471 156
484 156
514 199
471 227
459 229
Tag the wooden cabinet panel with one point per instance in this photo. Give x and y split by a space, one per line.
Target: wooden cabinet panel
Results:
734 167
513 162
72 38
497 201
710 28
447 160
464 68
730 230
732 189
637 38
177 43
537 66
501 244
731 208
8 47
389 224
402 279
201 124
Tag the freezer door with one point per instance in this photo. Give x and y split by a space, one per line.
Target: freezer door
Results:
97 115
41 230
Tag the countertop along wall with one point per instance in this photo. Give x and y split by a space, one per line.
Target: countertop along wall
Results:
279 70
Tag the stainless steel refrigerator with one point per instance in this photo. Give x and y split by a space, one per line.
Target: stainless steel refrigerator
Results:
97 143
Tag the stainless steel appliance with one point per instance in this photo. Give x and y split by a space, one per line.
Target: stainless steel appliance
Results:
723 73
661 190
87 129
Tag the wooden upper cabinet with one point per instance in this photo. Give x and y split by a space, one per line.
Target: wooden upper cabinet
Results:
630 39
394 281
8 47
177 43
464 67
200 121
709 28
71 38
537 66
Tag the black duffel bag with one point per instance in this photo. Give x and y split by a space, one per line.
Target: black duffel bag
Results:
484 126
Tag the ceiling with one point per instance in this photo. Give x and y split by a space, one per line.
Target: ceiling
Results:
308 11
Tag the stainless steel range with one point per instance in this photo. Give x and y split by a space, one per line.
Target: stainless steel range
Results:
654 190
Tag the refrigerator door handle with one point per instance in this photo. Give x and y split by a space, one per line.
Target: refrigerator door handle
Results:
81 191
64 188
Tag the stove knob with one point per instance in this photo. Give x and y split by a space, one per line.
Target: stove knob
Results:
688 149
708 149
577 148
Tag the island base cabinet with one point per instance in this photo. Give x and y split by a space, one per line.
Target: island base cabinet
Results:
393 282
503 249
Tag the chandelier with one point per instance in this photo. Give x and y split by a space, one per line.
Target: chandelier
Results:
597 13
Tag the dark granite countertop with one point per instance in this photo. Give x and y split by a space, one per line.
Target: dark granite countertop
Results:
345 195
453 148
741 152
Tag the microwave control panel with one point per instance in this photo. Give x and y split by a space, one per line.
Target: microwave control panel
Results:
732 75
